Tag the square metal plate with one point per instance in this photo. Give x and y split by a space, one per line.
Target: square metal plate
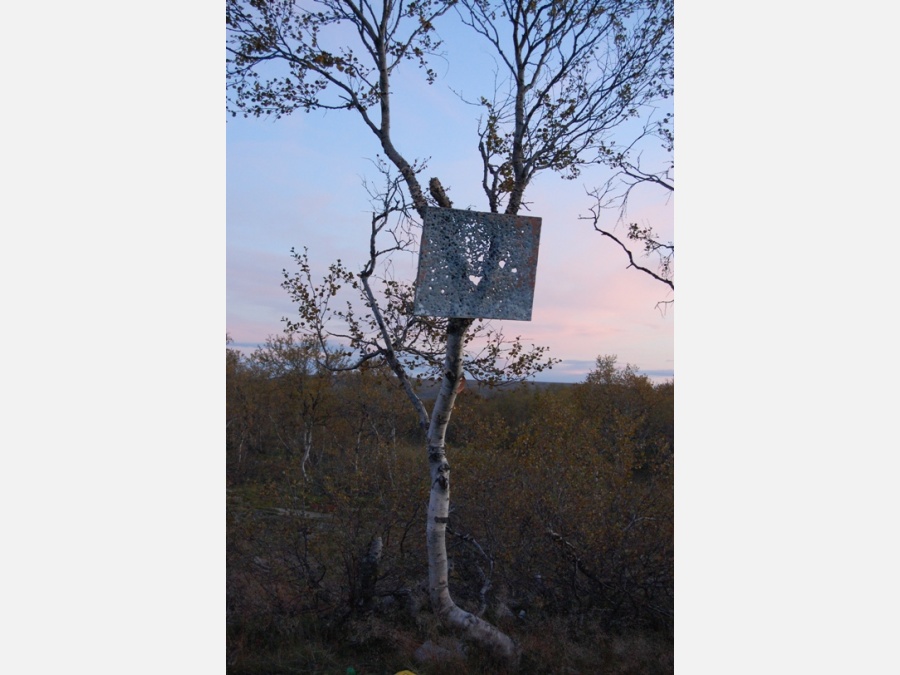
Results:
477 265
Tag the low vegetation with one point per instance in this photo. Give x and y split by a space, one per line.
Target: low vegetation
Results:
561 528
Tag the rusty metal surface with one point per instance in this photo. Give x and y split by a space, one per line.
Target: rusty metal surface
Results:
476 264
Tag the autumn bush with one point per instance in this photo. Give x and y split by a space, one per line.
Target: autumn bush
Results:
574 502
561 530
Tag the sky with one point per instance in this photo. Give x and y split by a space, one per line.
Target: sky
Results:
298 181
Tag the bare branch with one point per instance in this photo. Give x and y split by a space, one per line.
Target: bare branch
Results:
631 262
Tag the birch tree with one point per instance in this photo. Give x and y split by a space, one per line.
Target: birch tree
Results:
386 330
575 72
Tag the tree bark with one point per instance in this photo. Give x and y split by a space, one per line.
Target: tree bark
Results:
307 447
450 614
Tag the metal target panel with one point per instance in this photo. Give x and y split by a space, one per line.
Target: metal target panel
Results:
477 265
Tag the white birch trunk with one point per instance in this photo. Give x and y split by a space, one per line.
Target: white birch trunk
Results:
307 447
473 627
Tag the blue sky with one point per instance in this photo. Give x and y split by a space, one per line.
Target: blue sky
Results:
297 182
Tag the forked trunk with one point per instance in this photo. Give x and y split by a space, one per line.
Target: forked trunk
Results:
473 627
